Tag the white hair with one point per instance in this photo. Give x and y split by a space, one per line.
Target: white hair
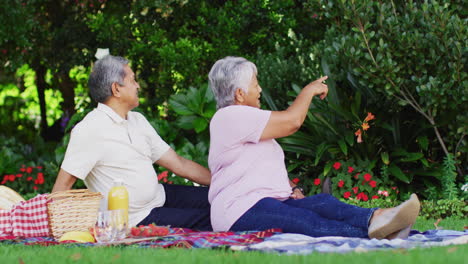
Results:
229 74
106 71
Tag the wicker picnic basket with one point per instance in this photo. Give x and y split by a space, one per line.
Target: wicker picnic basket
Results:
72 210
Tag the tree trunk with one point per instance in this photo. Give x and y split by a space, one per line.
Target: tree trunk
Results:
41 87
67 88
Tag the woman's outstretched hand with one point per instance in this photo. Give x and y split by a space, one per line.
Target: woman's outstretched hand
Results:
318 87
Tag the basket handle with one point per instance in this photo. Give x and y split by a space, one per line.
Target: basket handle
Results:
73 193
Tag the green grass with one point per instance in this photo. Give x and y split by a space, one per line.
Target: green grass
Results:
67 254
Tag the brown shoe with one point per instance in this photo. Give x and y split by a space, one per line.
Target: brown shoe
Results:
395 219
402 234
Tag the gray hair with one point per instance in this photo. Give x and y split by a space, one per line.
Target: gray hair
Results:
229 74
106 71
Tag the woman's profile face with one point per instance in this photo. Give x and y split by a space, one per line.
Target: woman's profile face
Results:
252 98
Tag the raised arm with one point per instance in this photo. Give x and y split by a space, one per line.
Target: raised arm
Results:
185 168
287 122
64 181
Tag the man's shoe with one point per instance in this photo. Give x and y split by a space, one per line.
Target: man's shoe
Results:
395 219
326 187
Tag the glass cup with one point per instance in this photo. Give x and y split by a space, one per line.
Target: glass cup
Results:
119 224
103 229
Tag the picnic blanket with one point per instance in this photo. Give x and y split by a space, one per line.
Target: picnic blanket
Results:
272 241
26 219
177 237
301 244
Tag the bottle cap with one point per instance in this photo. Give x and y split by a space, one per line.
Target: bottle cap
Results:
119 181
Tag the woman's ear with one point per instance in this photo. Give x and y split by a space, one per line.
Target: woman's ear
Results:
115 89
239 96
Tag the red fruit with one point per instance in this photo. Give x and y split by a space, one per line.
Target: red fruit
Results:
147 232
161 231
135 231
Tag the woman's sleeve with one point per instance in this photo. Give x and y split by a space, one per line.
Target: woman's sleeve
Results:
242 124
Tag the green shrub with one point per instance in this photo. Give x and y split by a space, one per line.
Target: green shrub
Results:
444 208
429 209
413 54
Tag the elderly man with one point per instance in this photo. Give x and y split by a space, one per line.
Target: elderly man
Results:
112 142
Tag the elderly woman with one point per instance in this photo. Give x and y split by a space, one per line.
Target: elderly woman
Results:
250 188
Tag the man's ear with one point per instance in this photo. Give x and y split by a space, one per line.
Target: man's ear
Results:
239 96
115 89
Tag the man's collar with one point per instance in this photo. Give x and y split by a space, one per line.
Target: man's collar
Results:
111 113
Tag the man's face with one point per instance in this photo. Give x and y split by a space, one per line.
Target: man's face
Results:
129 89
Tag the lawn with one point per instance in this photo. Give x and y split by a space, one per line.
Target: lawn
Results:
64 254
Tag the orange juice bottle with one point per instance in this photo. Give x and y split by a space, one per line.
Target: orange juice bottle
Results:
118 198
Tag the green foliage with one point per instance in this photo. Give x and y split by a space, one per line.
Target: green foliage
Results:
194 108
372 48
444 208
439 209
449 177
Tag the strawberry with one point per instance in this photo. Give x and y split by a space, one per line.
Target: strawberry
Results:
161 231
135 231
147 232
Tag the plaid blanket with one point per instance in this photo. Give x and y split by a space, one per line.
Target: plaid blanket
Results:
301 244
26 219
178 237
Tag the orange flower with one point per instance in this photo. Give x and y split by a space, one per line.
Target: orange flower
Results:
369 117
358 133
365 126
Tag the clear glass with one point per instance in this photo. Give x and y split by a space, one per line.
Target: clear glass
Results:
103 229
119 224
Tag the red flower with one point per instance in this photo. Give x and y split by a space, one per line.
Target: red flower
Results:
35 187
365 126
337 165
170 182
29 178
317 181
163 175
19 175
362 196
373 184
350 169
369 117
355 189
39 167
11 177
358 133
394 188
164 179
22 169
367 177
341 183
28 169
356 176
295 180
375 197
346 195
40 178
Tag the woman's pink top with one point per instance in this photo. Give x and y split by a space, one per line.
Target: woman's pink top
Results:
244 169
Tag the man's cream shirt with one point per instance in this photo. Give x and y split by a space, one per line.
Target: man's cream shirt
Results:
104 147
